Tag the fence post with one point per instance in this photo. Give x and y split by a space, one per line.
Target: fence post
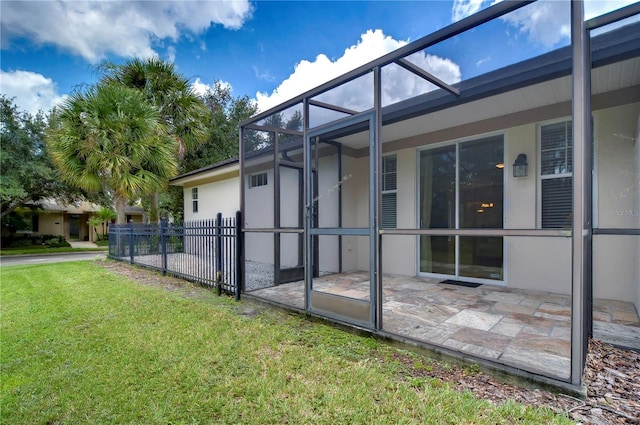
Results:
163 244
239 249
131 245
218 237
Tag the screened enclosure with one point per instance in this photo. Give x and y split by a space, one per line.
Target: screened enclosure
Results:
493 214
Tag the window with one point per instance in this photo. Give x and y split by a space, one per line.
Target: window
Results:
556 168
256 180
389 192
194 199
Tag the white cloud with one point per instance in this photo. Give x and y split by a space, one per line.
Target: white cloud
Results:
33 92
94 29
397 83
545 22
201 88
171 54
482 61
463 8
262 75
593 8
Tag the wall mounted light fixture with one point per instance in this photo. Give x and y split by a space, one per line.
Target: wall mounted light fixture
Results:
520 166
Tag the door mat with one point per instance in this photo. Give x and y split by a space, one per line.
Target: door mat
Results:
461 283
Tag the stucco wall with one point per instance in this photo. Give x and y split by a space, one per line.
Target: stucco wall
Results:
399 252
259 214
617 198
51 223
539 264
329 181
219 196
290 204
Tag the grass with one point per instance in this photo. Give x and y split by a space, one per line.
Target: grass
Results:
83 345
44 250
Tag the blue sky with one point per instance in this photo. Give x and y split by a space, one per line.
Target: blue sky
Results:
267 50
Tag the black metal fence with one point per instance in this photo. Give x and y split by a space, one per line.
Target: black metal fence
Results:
206 251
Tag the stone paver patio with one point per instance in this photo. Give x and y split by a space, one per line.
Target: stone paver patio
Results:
525 329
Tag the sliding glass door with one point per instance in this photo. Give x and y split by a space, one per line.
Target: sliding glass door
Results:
461 187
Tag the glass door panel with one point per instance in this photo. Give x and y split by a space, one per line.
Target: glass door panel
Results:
481 183
481 192
481 257
438 209
438 254
462 186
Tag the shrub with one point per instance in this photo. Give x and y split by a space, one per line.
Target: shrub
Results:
57 242
21 243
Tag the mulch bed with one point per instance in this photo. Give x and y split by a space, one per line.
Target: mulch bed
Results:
611 378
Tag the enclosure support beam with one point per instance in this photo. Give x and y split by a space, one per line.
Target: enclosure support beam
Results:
308 184
376 238
332 107
415 69
582 205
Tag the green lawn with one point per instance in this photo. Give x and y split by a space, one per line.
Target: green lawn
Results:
83 345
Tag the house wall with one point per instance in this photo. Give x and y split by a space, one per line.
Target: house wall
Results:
259 214
329 183
290 203
544 263
355 212
214 197
535 263
617 203
399 252
51 223
637 153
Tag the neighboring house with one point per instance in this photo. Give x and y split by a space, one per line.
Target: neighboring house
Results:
474 183
71 221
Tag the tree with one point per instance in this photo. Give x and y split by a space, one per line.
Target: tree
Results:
112 138
28 174
225 113
105 215
94 222
181 110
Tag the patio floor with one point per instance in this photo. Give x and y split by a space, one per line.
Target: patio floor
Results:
525 329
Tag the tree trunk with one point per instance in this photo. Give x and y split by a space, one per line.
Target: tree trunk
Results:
120 204
153 207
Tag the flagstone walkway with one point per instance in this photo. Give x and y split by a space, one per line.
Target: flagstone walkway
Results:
525 329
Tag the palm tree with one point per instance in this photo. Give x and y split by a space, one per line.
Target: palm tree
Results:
111 138
181 110
105 215
94 222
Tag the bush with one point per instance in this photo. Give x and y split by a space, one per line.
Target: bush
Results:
57 242
21 243
50 241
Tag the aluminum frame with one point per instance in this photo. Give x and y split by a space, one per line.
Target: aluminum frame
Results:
311 231
582 225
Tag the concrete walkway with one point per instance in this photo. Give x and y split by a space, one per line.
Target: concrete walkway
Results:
82 244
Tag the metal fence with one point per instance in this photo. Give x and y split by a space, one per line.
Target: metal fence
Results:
206 251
